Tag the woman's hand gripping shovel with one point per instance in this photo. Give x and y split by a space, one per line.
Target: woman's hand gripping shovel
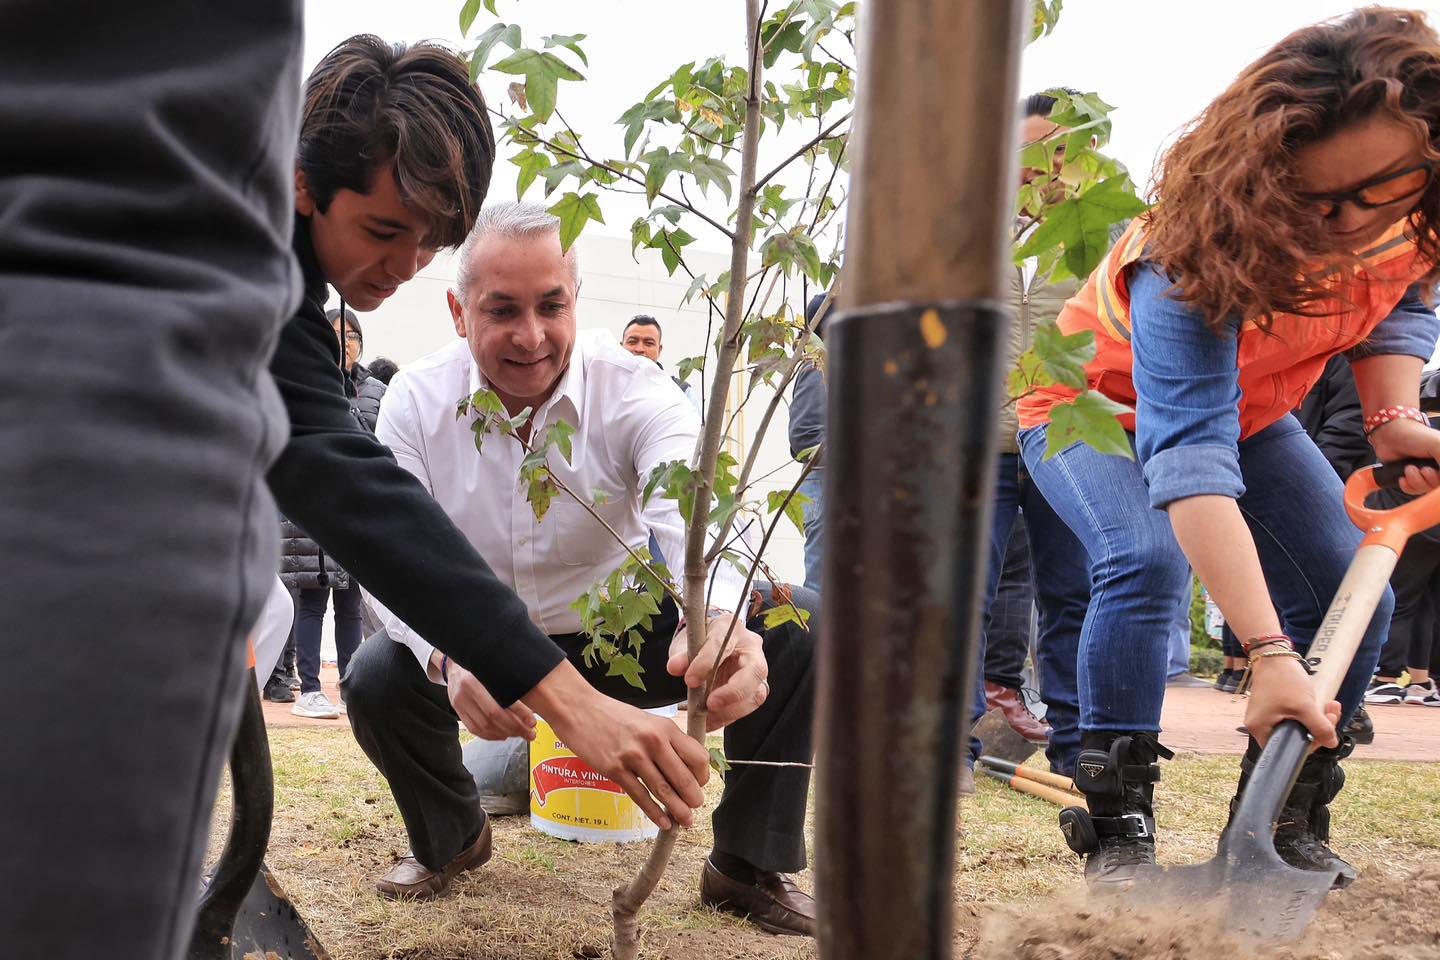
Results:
1263 897
243 912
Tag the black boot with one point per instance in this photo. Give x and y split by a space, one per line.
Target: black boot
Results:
1302 831
1361 728
1117 772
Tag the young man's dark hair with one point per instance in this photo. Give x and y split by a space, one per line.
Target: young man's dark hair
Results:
370 102
643 320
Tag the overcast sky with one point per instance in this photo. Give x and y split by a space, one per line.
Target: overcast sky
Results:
1158 61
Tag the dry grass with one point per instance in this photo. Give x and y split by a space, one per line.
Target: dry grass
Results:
336 829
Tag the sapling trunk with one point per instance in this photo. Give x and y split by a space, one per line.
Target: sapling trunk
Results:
627 900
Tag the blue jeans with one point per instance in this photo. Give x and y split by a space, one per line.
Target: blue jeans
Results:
813 487
1060 577
1292 503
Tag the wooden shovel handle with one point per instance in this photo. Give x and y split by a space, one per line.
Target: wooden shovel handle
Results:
1386 532
1020 785
1047 779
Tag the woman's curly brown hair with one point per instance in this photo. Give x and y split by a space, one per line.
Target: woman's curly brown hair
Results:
1230 225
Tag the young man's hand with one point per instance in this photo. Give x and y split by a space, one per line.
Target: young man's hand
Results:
740 684
648 756
480 713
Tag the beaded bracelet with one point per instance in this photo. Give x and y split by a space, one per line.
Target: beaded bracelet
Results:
1386 415
1284 642
444 668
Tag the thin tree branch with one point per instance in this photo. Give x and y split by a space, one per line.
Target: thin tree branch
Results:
833 57
791 368
584 155
709 684
821 137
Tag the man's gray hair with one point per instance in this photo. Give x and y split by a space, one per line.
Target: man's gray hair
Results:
512 220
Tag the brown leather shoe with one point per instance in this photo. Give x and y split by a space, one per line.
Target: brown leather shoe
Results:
1021 720
773 902
411 878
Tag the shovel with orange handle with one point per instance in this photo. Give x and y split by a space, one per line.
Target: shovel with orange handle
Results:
1264 898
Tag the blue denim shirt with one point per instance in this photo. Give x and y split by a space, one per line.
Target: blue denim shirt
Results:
1187 380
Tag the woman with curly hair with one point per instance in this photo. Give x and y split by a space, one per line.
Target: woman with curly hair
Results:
1296 218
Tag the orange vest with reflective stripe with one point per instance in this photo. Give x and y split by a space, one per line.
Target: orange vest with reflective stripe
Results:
1277 369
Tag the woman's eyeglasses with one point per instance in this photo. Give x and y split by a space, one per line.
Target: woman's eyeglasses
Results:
1380 192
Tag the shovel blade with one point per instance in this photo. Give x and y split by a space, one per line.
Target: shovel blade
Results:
1263 898
268 927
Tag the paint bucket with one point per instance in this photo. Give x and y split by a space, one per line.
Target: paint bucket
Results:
571 801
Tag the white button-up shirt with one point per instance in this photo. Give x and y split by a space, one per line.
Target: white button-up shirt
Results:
629 417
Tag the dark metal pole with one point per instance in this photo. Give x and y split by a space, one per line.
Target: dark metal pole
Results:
915 356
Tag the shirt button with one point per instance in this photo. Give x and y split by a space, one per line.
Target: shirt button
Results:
522 541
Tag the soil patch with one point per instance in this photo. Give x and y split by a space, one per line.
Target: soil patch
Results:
1383 916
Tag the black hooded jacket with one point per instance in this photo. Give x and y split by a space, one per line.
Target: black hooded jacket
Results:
345 489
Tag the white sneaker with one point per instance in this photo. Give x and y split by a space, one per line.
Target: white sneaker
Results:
1384 692
1422 693
316 706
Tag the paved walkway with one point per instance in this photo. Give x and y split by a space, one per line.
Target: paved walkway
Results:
1196 720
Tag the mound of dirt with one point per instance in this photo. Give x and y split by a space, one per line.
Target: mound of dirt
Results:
1381 917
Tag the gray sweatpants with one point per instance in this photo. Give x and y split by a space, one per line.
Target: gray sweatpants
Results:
146 152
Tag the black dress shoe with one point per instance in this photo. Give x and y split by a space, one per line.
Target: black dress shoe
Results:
773 902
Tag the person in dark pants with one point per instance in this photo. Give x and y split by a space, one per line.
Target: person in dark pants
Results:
514 305
144 273
1060 574
807 430
309 619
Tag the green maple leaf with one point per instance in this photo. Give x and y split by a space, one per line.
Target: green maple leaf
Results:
558 434
786 613
1061 357
792 503
1090 418
574 212
570 42
531 163
1081 225
708 170
507 33
543 73
670 243
718 761
468 13
628 667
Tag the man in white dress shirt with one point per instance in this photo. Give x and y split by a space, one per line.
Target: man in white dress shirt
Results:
514 310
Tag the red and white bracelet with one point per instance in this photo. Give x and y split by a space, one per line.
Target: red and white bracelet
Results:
1386 415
